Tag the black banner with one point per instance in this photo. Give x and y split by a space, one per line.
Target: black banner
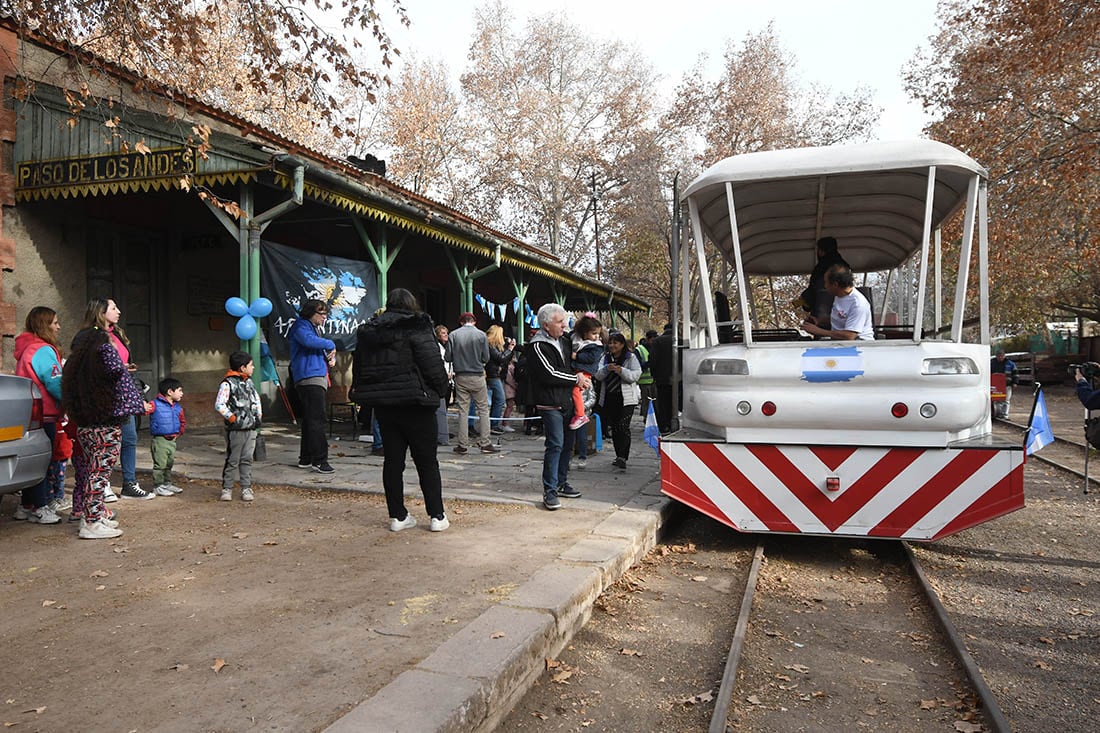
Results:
289 277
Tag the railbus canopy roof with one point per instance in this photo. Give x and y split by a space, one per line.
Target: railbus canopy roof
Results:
870 196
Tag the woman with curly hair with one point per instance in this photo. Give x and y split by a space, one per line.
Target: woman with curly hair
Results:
99 396
104 314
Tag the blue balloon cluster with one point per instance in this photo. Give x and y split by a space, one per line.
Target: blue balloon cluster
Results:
247 326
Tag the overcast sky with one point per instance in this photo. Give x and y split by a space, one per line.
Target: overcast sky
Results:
840 43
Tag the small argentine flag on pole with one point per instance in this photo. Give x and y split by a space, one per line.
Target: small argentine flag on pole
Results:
1039 434
651 434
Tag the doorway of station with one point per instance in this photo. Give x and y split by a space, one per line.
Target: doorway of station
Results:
123 266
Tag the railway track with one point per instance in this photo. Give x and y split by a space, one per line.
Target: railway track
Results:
1065 453
896 662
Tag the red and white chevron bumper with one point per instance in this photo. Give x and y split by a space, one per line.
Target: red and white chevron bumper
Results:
905 493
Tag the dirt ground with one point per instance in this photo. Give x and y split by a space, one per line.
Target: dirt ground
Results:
277 615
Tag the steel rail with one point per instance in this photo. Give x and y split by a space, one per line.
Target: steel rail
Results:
1051 462
991 711
729 677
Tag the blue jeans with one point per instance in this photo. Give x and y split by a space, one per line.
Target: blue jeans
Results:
128 452
496 402
559 447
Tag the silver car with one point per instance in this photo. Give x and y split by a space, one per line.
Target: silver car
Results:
25 449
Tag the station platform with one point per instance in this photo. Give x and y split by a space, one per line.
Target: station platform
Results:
464 678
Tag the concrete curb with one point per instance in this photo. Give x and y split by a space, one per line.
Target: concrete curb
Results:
472 681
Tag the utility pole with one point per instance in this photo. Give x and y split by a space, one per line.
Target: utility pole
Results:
596 223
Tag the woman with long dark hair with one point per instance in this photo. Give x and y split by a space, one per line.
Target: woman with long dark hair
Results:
99 395
619 372
104 314
399 372
311 356
38 358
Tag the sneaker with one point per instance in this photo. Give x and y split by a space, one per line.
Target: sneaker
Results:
247 495
578 421
134 491
304 464
109 496
496 431
174 489
490 448
619 463
323 467
461 450
97 531
163 490
227 495
380 451
396 525
366 438
438 525
509 429
113 524
582 463
568 492
43 515
21 513
60 505
550 500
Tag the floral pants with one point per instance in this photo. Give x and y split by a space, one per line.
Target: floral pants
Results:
99 447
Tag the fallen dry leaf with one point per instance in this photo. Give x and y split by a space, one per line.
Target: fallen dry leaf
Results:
586 723
1046 640
179 667
561 676
218 664
1039 663
36 711
754 700
1024 589
552 663
696 699
209 549
964 727
802 668
101 587
239 535
540 716
47 603
99 574
865 660
700 578
496 635
929 704
630 652
270 543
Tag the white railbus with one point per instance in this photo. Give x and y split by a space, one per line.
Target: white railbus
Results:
890 438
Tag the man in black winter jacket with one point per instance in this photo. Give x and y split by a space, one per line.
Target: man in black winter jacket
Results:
399 372
552 384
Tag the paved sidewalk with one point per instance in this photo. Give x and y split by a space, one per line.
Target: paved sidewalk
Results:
474 677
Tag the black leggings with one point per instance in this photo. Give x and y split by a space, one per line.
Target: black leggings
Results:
618 417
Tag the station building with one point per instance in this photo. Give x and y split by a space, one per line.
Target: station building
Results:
171 206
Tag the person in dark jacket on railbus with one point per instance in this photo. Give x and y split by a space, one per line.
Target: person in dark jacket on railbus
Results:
552 383
399 372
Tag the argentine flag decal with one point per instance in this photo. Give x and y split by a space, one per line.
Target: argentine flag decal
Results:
832 364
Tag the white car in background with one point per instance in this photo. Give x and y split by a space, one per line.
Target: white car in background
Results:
25 449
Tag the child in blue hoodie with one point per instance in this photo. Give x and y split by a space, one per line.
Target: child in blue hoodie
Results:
165 425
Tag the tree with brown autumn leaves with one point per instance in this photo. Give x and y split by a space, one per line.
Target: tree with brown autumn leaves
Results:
1016 84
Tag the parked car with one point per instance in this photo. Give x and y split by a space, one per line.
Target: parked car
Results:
25 449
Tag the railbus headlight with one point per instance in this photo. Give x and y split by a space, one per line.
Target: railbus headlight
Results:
723 367
948 365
